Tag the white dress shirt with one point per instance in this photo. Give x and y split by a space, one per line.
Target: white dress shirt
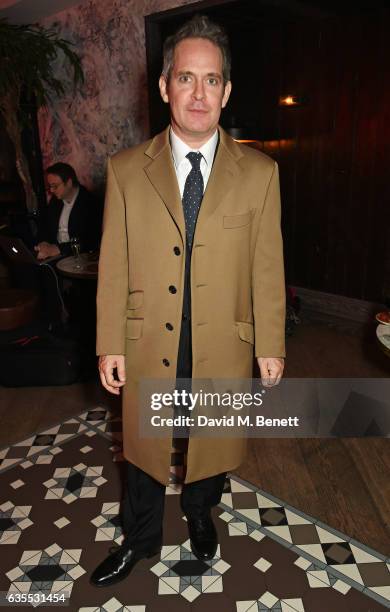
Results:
183 165
63 233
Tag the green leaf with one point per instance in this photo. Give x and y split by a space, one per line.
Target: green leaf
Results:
27 63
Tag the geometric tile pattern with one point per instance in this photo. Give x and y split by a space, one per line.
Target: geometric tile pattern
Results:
17 484
13 520
40 458
181 573
238 527
316 568
107 423
108 523
334 560
45 457
95 416
52 570
71 483
5 460
12 455
61 522
319 578
262 564
113 605
269 602
86 449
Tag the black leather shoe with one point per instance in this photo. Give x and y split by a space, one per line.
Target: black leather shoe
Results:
203 537
118 565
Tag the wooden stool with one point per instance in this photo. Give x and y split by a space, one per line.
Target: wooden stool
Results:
17 307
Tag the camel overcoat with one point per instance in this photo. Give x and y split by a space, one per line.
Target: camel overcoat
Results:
237 284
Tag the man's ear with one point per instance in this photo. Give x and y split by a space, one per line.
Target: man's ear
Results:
162 83
226 93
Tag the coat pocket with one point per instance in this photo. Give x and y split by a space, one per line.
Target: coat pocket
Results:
246 332
135 300
232 221
134 328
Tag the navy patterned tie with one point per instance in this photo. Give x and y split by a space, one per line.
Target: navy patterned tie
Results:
192 195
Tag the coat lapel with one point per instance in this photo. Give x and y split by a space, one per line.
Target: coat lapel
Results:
161 173
225 173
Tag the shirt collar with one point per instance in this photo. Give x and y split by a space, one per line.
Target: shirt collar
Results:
180 148
72 201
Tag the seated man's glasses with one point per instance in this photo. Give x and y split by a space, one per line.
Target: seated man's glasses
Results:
54 186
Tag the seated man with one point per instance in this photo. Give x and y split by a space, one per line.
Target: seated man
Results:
72 212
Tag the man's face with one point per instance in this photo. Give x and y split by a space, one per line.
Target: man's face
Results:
56 185
195 90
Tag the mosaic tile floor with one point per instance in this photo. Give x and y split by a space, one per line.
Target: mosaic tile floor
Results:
60 515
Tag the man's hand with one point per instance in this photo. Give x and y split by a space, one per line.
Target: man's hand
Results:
271 370
45 250
107 364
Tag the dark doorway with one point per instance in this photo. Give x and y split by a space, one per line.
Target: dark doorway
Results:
333 147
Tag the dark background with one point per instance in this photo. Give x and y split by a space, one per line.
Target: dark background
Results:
333 149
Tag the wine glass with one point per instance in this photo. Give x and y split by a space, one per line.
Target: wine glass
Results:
75 246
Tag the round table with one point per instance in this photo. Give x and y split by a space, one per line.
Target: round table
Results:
80 295
84 267
383 335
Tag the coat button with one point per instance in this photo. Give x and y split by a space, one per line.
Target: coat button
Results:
165 362
169 326
176 250
172 289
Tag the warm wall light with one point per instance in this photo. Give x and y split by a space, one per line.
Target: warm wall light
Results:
289 100
269 146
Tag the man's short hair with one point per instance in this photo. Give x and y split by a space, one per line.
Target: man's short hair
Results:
64 171
199 26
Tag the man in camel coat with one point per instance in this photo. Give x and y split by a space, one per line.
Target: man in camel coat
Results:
191 285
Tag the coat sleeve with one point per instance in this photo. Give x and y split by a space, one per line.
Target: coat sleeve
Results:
268 285
113 277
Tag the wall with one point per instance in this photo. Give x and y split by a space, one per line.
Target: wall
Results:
111 111
335 185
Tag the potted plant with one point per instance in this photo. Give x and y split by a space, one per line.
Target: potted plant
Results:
27 70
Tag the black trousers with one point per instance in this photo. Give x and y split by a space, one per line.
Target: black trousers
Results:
143 505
